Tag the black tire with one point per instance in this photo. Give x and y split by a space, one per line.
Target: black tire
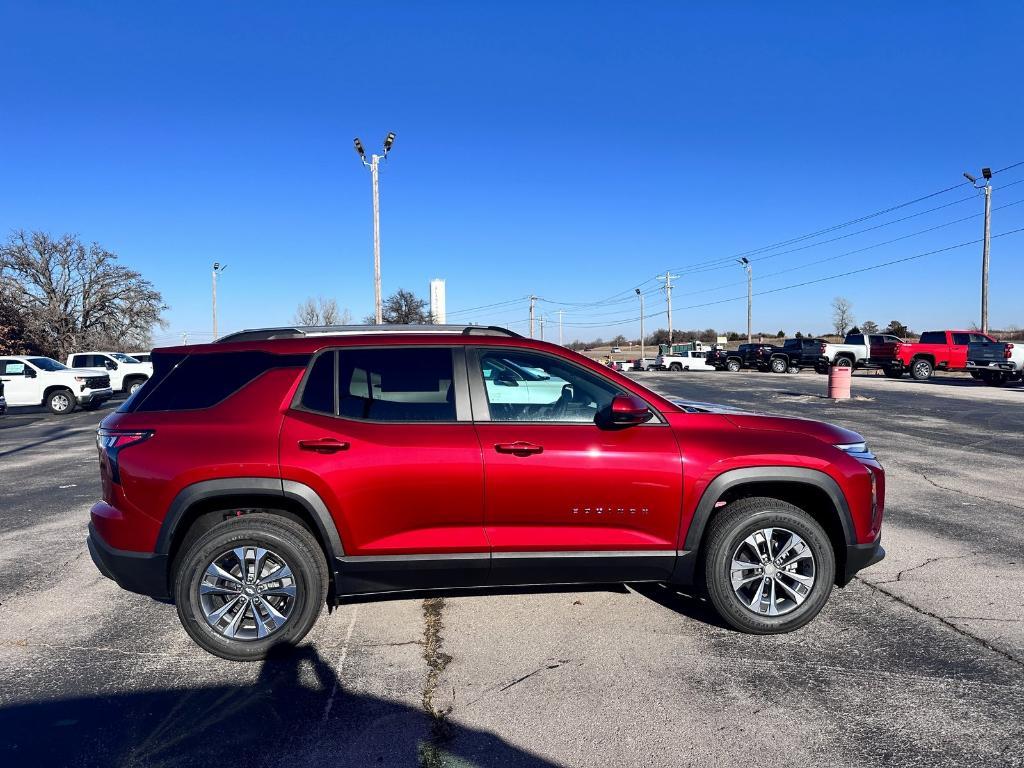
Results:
282 536
726 533
994 378
733 366
132 386
921 369
61 401
843 360
793 369
975 374
779 365
892 373
675 367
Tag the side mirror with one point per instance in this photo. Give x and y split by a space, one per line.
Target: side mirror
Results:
506 379
30 373
628 410
110 365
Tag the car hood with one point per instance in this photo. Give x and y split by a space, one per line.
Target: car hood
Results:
821 430
89 371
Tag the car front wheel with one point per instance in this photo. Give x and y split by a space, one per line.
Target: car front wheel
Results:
769 566
250 583
61 401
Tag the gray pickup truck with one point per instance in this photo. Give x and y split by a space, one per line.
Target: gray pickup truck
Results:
996 362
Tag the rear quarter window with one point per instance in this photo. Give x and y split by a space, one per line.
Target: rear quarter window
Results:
933 337
190 382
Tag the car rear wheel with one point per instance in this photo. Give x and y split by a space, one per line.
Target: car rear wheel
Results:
842 361
995 378
675 367
778 365
921 370
61 401
769 566
250 583
892 373
733 366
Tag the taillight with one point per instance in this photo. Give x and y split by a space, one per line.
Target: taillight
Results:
1008 351
112 441
821 349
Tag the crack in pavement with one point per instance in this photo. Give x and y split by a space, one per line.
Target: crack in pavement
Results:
441 729
970 495
944 620
928 561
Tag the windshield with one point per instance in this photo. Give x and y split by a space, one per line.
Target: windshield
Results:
121 357
47 364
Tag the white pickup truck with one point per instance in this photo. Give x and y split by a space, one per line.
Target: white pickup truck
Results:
856 349
33 380
126 373
686 361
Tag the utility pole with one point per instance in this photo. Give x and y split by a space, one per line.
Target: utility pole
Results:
560 327
374 165
987 187
668 278
750 295
217 267
533 301
542 327
184 338
641 297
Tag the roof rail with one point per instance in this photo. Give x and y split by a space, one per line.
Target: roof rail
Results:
300 331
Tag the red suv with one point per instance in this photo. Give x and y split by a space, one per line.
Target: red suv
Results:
254 479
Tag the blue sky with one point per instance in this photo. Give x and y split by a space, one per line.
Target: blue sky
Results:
571 150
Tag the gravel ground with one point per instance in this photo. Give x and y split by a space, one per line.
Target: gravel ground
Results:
919 662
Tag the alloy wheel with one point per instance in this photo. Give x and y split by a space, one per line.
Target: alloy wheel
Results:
247 593
60 402
772 571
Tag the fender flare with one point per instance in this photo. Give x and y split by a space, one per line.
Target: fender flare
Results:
735 477
236 486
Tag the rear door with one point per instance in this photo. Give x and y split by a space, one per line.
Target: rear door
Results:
566 498
385 437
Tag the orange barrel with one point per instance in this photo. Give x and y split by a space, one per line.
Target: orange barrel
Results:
839 382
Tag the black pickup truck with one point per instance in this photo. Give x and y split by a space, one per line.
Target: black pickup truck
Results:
794 355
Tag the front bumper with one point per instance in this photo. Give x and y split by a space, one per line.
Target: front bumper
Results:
95 396
142 572
861 556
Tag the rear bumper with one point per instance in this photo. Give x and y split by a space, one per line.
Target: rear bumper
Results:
142 572
95 396
861 556
1007 365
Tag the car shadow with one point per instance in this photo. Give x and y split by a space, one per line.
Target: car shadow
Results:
297 712
687 604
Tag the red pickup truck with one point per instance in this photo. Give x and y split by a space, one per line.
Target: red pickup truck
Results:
937 350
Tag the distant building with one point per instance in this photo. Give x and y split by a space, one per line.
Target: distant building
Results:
437 300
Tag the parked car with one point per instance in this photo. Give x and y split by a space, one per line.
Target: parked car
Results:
142 357
643 364
126 373
855 351
685 361
996 362
615 350
273 469
793 355
937 350
31 380
747 356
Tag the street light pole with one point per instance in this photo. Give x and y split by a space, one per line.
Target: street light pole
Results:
641 297
533 301
668 278
750 295
374 165
217 267
987 187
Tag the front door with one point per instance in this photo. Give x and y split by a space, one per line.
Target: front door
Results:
568 499
19 387
384 436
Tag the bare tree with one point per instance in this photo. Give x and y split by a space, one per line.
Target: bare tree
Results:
869 326
70 296
403 308
842 315
321 311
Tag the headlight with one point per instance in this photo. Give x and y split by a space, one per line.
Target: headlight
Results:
857 450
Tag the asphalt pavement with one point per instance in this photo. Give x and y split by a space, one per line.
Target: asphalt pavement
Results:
919 662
